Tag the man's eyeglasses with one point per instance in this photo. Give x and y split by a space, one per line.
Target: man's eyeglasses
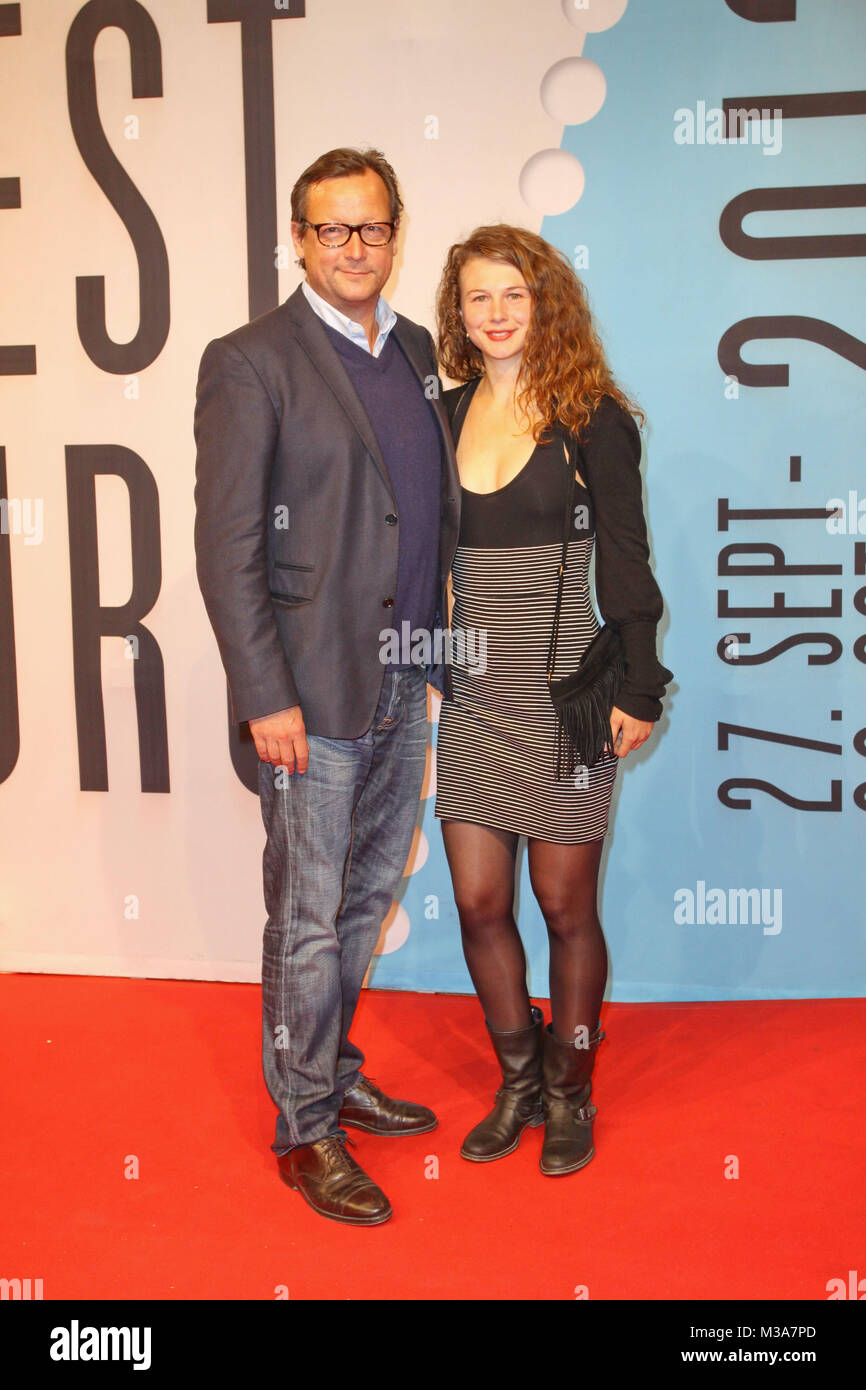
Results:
338 233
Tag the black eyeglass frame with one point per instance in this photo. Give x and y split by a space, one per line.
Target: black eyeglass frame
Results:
353 227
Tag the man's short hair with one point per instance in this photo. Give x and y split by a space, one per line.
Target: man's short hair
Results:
339 164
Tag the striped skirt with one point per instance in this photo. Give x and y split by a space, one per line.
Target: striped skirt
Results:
495 750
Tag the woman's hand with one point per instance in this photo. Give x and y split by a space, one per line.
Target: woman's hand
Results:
631 732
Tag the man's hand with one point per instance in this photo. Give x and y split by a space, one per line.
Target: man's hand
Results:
634 731
281 739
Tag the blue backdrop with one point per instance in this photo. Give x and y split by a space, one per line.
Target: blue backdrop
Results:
733 868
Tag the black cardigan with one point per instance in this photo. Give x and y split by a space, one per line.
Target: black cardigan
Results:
628 596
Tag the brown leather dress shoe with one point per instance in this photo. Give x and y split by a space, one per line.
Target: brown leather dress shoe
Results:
334 1185
366 1107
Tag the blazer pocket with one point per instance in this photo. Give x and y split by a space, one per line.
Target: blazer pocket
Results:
293 600
301 578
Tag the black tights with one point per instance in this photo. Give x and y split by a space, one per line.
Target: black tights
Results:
564 879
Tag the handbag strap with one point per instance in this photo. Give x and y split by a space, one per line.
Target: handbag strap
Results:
569 517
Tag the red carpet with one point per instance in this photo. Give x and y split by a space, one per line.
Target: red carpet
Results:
102 1072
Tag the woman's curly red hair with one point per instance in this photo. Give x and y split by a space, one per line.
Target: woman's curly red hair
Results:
564 372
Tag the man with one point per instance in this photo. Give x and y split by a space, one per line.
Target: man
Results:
327 510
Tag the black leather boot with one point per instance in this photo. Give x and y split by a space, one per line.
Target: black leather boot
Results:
518 1100
568 1111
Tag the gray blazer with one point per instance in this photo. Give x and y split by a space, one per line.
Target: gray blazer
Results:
296 561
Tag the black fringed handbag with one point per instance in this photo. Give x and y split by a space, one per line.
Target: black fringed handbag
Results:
583 701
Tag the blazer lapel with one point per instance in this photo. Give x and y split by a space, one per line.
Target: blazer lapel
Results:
314 340
421 368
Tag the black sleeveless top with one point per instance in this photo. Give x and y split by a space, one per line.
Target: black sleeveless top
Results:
529 510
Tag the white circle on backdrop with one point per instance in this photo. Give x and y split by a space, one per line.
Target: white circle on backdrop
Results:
573 90
395 931
551 181
592 16
417 854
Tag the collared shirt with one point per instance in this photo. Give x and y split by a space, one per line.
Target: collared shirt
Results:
385 319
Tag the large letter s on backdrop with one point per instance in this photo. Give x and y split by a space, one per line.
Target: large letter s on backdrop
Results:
146 63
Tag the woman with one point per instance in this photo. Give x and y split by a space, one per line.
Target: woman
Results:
515 327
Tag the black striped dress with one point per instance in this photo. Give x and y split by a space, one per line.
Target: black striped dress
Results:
496 738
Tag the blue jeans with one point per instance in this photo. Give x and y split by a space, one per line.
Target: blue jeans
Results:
338 837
